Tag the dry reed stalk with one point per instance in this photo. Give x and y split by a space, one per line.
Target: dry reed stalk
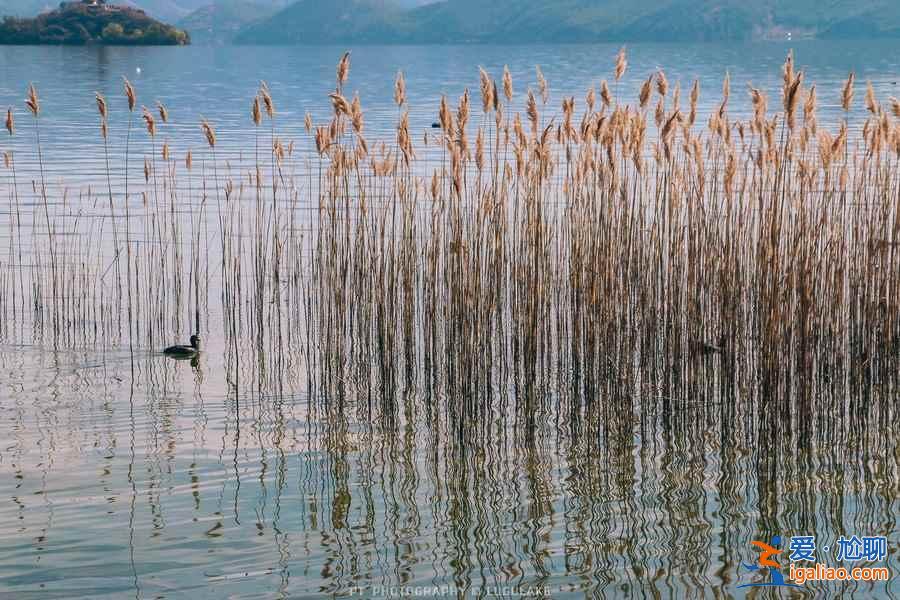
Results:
565 260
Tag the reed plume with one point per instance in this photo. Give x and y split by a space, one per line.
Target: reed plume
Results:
847 92
266 97
343 70
149 121
662 84
694 98
621 63
255 112
400 90
507 84
487 97
208 132
605 94
791 99
32 101
130 94
646 90
871 102
543 88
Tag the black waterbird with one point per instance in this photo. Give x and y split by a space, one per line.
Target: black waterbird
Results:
184 351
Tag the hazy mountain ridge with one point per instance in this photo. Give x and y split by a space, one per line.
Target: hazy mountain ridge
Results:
510 21
530 21
220 22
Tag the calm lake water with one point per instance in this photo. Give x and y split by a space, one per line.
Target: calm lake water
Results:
124 474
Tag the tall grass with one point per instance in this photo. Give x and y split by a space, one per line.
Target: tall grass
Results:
620 250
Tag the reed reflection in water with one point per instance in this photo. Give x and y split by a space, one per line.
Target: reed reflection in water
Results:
149 487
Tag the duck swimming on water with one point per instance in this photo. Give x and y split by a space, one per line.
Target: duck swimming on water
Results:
184 351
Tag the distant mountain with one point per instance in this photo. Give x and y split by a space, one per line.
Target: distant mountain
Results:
511 21
529 21
329 21
221 21
81 22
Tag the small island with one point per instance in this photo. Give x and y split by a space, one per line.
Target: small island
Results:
87 22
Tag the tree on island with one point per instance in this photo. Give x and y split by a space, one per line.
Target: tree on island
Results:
84 22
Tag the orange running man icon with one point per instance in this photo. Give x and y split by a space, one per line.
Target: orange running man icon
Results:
767 551
776 579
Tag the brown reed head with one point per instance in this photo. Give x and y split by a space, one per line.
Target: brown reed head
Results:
32 101
356 114
343 69
462 111
791 99
621 63
605 95
543 88
308 122
809 106
266 97
787 70
149 121
644 95
895 107
487 99
101 105
188 160
130 94
256 112
507 84
871 102
404 140
847 92
446 118
340 105
695 97
208 132
662 84
590 99
10 122
163 111
278 150
532 112
400 89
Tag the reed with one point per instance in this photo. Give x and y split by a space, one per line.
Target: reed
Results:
619 250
